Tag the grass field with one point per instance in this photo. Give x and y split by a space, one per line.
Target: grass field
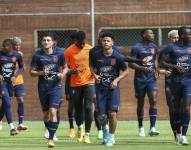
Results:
126 138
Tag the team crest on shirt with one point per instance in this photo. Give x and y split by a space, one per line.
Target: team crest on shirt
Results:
14 59
55 59
113 61
152 50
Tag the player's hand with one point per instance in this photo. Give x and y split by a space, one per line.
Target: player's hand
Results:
13 79
67 97
74 71
167 73
114 83
60 76
97 78
1 78
46 72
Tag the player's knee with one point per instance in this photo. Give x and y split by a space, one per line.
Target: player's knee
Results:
20 100
102 119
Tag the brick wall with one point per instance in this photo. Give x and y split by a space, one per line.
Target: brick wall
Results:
24 26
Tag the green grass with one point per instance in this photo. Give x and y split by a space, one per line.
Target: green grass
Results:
126 138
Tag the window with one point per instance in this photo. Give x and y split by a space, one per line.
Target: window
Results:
62 36
127 37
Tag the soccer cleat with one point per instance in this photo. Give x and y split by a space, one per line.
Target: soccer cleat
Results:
141 132
80 134
22 127
105 135
13 132
153 132
71 133
178 139
109 142
87 139
51 144
46 135
1 125
184 140
100 135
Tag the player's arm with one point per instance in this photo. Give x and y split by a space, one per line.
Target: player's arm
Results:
165 61
63 72
21 66
34 71
122 75
132 59
96 76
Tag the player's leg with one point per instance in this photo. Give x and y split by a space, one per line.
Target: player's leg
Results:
169 99
89 98
77 97
2 113
140 91
101 109
98 125
19 92
152 90
71 132
186 101
54 104
6 93
113 108
177 94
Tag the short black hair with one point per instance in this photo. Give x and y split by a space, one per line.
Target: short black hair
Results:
78 36
107 34
182 30
7 42
144 31
49 34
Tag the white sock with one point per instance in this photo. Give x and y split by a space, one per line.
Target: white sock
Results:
87 134
112 136
11 126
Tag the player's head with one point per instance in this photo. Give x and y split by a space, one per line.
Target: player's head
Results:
173 36
107 40
16 43
79 38
7 45
48 40
99 37
184 34
147 35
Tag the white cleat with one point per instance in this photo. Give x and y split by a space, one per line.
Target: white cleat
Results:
141 132
178 139
1 125
153 132
184 140
46 135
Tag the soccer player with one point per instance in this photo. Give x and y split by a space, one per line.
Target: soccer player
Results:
19 90
82 83
173 38
48 64
8 74
144 79
177 58
106 65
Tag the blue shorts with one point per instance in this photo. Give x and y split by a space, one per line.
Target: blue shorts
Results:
181 90
107 100
6 89
19 90
50 98
141 88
